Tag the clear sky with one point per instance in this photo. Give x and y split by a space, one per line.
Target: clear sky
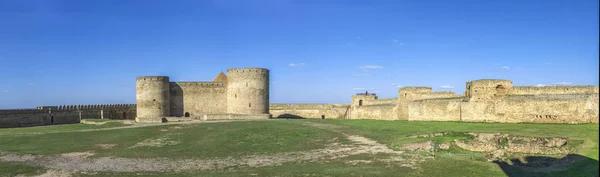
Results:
55 52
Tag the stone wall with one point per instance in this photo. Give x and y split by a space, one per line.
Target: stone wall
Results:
447 109
233 117
309 110
64 114
534 90
197 98
378 112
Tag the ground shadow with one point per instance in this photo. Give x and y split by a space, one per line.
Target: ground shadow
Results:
533 166
289 116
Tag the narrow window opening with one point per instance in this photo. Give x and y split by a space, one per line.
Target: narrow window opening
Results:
360 103
187 114
249 104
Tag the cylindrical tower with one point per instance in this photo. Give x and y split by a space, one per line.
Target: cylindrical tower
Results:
152 98
248 91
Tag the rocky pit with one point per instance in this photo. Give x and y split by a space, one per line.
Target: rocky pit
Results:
502 147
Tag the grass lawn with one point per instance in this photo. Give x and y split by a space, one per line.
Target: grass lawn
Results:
235 139
61 128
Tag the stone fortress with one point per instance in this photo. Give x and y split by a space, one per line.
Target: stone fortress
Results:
244 94
241 93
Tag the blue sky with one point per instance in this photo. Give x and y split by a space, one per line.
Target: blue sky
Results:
319 51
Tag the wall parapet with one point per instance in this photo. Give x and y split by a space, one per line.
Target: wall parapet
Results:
199 84
554 96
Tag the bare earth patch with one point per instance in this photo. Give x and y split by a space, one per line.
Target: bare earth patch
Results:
106 146
160 142
92 122
51 173
79 154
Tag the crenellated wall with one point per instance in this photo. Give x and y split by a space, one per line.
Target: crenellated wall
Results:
64 114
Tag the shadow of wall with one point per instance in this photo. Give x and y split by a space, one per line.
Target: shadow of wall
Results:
176 100
533 166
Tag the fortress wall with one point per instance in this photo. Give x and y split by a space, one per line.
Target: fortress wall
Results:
479 111
36 117
577 108
197 98
534 90
22 118
409 94
309 110
446 109
378 112
381 101
233 117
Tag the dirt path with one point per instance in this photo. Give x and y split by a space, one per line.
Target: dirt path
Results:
79 161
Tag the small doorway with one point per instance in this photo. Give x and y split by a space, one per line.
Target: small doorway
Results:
359 102
322 116
124 115
187 114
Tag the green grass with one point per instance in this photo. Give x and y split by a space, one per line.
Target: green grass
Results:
269 137
193 140
59 128
10 170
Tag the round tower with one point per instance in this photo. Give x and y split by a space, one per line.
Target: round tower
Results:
248 91
152 98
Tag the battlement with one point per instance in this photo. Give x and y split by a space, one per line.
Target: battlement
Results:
199 84
247 70
94 107
152 78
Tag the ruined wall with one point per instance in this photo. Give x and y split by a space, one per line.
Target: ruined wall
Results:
574 108
248 91
309 110
488 89
197 98
445 109
577 108
534 90
377 112
409 94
